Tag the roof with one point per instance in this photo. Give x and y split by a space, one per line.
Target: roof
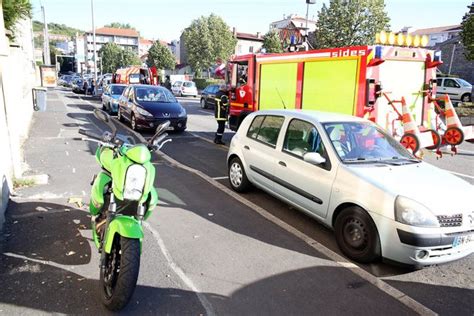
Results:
318 116
439 29
116 32
297 18
144 41
248 36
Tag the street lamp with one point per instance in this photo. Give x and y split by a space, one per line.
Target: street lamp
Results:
308 2
93 39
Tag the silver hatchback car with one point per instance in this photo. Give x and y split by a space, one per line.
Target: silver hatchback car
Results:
353 177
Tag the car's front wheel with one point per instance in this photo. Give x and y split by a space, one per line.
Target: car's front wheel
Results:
357 236
203 104
237 177
466 97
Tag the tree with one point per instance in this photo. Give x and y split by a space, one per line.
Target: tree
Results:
272 42
15 10
110 55
208 39
347 23
129 58
160 56
467 33
119 25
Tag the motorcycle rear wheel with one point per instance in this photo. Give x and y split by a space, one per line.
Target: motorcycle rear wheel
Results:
118 278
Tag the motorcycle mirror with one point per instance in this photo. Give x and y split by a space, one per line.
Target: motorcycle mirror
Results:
104 117
159 130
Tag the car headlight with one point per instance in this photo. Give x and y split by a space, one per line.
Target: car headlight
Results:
182 113
143 112
413 213
134 182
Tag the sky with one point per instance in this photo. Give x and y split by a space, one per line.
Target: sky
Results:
166 19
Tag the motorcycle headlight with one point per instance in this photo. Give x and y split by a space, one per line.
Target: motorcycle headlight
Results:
134 182
182 113
413 213
144 112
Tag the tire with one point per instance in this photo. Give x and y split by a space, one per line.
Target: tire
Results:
237 177
133 123
466 97
203 104
410 141
357 236
118 287
103 107
436 139
454 136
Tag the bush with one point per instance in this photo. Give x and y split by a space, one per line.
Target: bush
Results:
202 83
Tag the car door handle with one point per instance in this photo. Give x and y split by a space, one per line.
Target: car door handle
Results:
246 147
282 163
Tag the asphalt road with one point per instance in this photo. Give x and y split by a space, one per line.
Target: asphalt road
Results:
205 251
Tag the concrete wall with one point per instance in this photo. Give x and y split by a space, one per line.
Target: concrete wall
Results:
17 78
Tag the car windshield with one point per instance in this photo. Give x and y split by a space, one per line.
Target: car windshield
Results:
359 142
154 94
464 83
188 84
117 89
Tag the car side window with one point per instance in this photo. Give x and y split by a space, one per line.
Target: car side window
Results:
266 129
450 83
303 137
438 82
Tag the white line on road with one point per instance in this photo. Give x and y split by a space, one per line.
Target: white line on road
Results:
220 178
460 174
179 272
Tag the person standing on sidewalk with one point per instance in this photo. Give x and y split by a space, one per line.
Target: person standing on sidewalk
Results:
220 113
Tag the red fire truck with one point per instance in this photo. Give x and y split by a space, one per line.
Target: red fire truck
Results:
136 74
347 80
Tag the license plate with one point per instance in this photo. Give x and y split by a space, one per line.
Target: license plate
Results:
462 240
171 128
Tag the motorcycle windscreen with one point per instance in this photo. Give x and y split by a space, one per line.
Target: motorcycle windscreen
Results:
330 85
403 79
278 86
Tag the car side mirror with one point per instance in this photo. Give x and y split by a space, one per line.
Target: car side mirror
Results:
314 158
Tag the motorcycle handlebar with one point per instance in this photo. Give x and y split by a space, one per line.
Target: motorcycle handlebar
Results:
89 134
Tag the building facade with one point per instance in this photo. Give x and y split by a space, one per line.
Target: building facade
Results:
435 35
247 43
125 38
293 25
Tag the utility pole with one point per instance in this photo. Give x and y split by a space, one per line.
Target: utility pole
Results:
93 38
308 2
452 57
46 54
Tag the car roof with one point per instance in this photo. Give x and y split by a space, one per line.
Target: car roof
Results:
117 84
310 115
145 86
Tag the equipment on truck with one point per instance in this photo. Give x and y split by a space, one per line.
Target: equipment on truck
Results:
136 75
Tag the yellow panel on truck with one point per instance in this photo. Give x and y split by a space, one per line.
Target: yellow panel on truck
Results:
330 85
278 86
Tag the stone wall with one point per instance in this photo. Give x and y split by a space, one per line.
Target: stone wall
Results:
460 66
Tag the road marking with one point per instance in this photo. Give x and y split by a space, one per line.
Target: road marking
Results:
220 178
343 262
460 174
205 112
223 147
179 272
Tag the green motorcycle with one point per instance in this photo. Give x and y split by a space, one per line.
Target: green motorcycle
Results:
122 197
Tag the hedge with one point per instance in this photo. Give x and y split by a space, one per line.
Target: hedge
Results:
202 83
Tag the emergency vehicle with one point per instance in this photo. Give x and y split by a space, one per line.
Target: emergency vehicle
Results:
349 80
136 74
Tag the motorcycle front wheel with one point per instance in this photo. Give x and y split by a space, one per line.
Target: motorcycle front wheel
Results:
118 277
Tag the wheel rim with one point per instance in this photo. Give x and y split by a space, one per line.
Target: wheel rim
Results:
119 116
355 234
112 270
203 104
134 124
465 98
236 174
453 136
409 142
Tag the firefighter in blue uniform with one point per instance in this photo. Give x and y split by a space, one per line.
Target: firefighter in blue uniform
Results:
221 111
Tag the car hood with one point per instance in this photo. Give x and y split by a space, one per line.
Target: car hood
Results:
157 108
439 190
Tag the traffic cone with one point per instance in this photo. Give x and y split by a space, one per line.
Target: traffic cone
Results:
413 132
452 119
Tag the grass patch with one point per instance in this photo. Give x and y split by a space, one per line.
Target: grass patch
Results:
23 183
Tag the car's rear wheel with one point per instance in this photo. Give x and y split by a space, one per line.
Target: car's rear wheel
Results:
203 104
237 177
357 236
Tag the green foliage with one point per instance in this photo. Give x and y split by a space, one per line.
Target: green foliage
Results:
208 39
347 23
119 25
110 54
160 56
55 28
467 36
129 58
202 83
15 10
272 42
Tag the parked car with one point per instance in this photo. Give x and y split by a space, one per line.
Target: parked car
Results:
208 96
78 85
146 107
111 96
184 88
456 88
65 80
353 177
